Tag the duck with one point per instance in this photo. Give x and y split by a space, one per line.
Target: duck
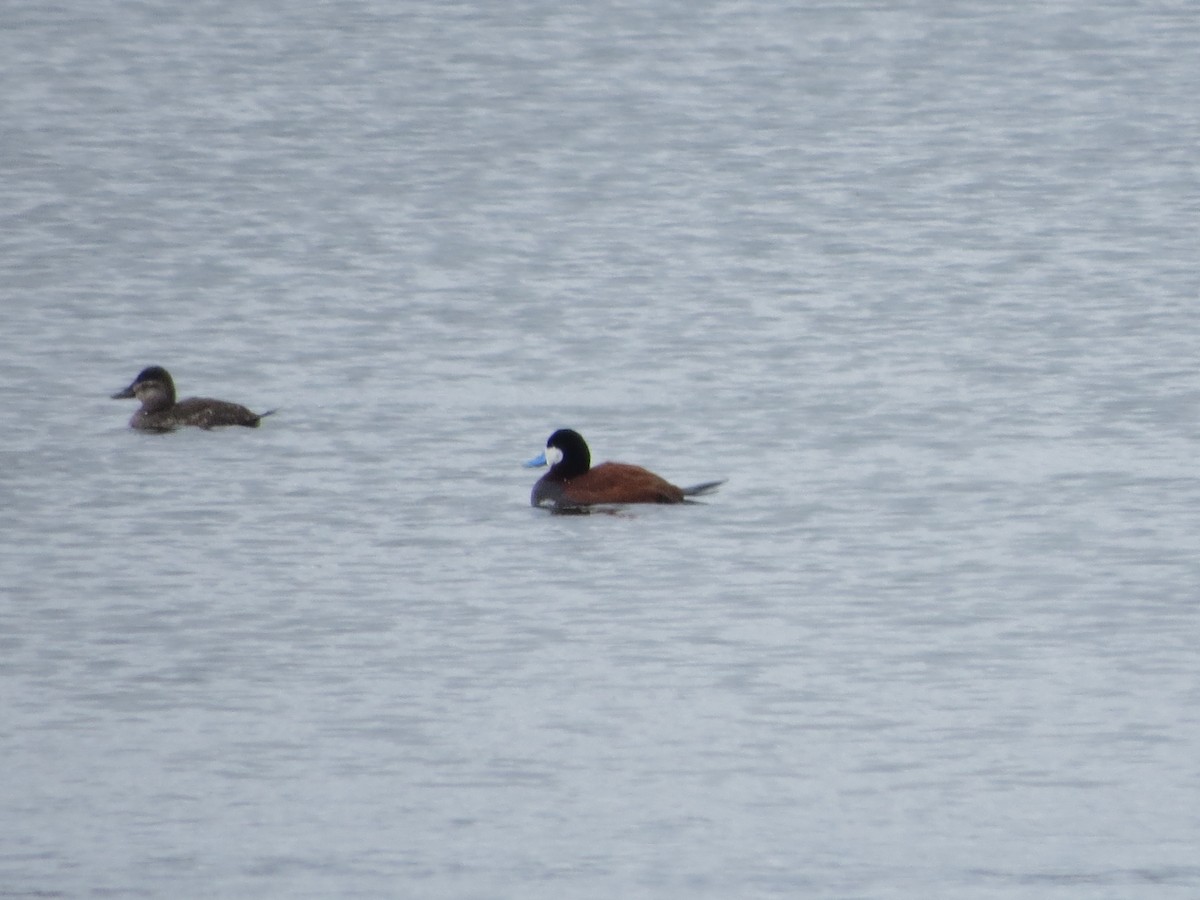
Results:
160 412
574 484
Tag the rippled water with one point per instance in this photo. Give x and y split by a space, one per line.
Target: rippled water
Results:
919 280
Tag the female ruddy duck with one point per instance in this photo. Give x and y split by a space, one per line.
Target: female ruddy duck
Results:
159 412
573 483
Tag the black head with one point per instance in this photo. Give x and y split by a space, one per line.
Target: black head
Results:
574 457
566 453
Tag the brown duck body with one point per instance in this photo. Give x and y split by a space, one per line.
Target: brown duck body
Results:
160 411
573 483
198 411
610 482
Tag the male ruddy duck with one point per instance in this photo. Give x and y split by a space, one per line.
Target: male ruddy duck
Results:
159 412
574 484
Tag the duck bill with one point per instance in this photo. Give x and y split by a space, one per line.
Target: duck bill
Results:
537 462
125 394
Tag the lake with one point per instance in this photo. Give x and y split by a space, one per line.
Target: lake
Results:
919 280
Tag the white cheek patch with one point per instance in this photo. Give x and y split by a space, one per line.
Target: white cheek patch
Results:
553 456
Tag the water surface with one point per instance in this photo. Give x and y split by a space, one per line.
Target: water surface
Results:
919 281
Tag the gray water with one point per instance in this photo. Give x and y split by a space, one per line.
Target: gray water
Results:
919 279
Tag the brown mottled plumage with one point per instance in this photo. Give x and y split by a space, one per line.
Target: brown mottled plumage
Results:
155 389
